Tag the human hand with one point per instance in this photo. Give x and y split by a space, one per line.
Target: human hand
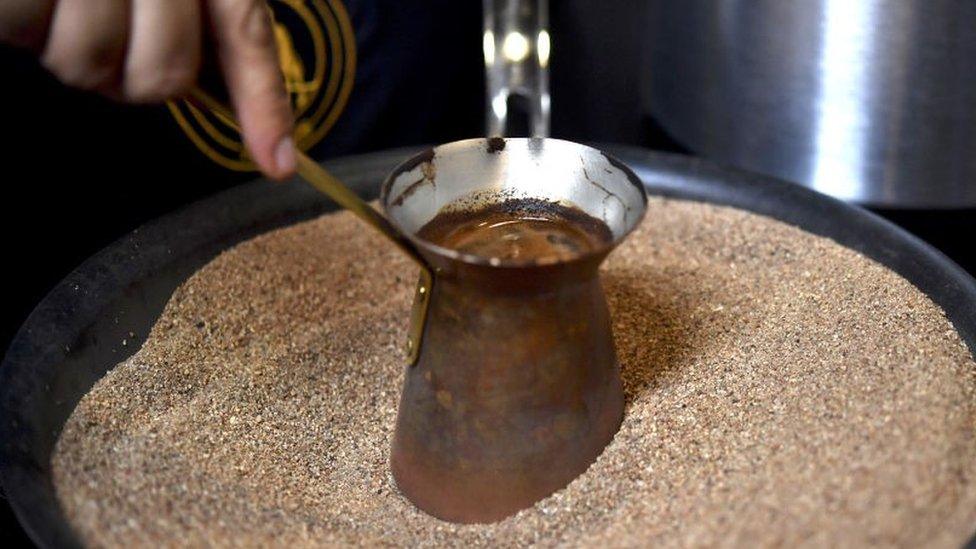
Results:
150 50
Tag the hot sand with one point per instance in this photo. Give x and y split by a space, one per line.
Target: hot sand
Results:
780 389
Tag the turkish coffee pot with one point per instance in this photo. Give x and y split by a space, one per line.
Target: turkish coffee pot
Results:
512 386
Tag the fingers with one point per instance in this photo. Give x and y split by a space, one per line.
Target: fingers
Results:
164 49
247 55
24 23
86 43
88 40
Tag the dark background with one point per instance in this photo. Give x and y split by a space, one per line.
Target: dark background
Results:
81 171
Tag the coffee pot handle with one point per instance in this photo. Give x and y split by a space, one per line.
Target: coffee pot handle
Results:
319 178
516 46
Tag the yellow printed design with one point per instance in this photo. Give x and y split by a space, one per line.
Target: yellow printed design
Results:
317 52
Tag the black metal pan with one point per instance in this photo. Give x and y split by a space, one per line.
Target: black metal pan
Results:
101 313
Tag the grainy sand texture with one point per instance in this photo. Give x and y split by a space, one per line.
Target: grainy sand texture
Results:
781 390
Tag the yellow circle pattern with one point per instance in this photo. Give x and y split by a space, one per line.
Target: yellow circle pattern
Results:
317 107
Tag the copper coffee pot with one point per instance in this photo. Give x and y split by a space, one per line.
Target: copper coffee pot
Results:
515 388
512 386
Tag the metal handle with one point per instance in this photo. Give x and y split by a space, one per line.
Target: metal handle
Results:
328 184
516 45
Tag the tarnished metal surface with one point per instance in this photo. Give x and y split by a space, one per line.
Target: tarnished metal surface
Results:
516 389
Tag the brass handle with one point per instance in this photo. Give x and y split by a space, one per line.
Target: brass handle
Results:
328 184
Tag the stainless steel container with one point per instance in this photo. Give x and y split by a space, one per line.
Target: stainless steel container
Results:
516 47
868 100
